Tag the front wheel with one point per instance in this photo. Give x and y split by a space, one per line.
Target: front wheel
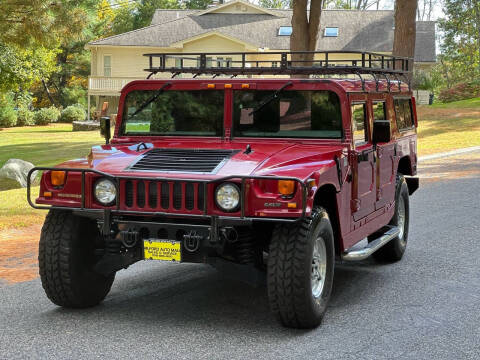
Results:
66 259
300 270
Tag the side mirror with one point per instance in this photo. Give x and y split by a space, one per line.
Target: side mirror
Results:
381 131
105 129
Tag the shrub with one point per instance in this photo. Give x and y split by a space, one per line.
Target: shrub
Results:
8 116
462 91
25 117
72 113
46 115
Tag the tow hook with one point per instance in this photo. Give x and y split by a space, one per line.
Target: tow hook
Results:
229 234
129 238
191 241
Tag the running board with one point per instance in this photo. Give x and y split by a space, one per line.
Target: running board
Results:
361 254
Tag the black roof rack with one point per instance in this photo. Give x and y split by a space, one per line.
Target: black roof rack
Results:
279 63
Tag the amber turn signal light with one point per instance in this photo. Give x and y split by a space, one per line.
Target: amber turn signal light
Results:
210 86
245 86
228 86
57 178
286 187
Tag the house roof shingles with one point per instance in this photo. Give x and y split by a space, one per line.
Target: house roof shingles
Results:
358 31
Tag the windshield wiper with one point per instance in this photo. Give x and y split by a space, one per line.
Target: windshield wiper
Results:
152 99
270 99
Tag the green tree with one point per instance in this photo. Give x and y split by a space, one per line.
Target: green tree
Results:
134 15
20 68
68 85
197 4
461 39
276 4
23 22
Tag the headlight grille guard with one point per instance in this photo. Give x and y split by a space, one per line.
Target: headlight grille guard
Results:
116 181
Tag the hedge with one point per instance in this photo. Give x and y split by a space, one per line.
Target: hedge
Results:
46 115
462 91
72 113
25 117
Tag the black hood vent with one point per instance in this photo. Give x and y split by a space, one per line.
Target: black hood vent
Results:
183 160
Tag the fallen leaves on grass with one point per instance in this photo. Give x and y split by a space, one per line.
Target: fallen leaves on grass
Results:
19 254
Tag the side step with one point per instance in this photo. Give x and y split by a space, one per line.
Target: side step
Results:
361 254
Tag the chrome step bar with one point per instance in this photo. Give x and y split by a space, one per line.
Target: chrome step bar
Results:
362 254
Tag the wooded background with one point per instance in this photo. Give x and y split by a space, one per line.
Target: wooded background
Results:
43 61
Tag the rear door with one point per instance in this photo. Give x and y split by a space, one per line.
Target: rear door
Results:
386 152
362 160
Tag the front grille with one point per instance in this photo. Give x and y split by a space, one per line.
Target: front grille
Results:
163 196
181 160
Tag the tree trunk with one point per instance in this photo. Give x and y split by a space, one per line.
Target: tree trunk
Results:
305 26
405 29
45 87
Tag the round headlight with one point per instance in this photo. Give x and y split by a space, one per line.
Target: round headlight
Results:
105 191
227 197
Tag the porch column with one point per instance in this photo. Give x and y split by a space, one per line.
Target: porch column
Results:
88 107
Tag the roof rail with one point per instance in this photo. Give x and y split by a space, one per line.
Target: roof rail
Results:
279 63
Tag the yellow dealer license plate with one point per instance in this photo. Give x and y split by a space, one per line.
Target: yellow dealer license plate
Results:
162 250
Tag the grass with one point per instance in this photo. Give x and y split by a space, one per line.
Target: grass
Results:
446 127
470 103
15 212
442 127
42 146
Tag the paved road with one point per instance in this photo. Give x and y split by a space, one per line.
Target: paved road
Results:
425 307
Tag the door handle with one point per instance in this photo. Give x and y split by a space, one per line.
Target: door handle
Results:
363 155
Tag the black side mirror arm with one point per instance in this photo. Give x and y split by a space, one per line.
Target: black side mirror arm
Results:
105 129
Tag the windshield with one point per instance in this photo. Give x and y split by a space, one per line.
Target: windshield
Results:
173 113
292 114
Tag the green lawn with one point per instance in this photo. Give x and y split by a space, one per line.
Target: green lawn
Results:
470 103
42 146
446 127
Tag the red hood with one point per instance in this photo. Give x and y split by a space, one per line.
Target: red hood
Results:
266 158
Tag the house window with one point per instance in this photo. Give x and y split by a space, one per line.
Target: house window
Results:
331 32
107 66
285 31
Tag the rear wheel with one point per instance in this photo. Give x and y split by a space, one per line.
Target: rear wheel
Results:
394 250
300 270
66 260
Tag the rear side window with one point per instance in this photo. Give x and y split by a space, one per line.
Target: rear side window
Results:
359 122
404 114
379 111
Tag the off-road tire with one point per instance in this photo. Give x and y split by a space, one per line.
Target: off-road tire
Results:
393 251
66 258
290 267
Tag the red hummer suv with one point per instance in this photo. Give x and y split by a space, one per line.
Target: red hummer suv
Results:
275 176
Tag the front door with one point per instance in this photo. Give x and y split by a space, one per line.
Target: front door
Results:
362 162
